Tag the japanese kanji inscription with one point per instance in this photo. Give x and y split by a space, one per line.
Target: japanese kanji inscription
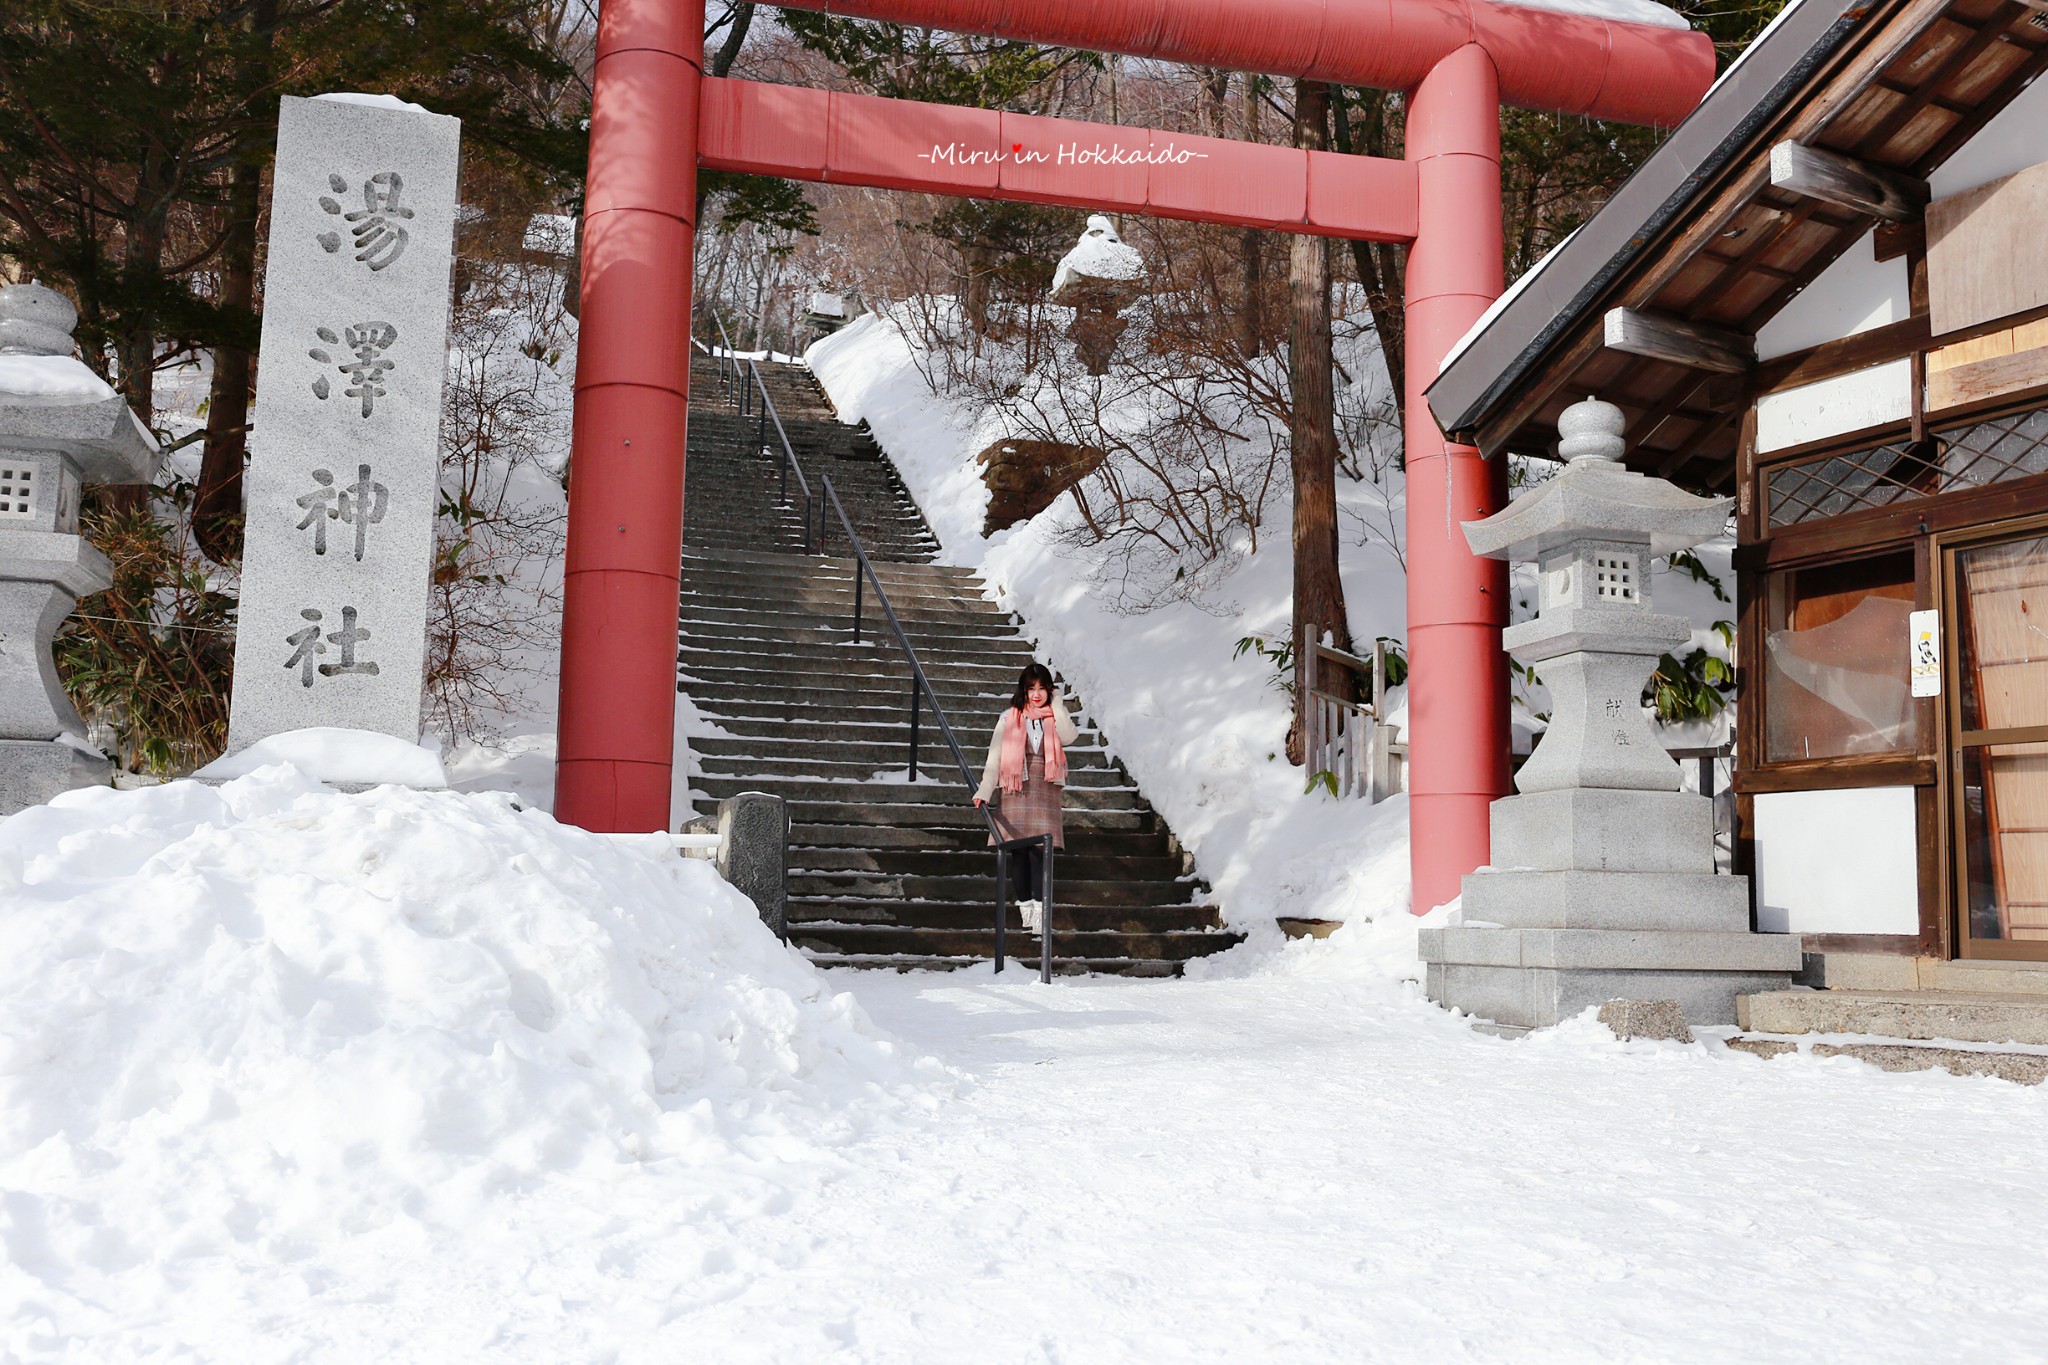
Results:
344 481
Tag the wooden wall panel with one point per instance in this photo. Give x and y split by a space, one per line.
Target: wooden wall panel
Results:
1984 260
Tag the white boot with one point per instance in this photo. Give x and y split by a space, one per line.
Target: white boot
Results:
1033 913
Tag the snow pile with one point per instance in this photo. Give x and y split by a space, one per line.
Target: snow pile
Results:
369 101
50 379
1099 255
249 1025
1621 11
329 753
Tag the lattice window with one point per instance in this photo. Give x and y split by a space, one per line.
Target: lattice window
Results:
17 492
1614 578
1974 456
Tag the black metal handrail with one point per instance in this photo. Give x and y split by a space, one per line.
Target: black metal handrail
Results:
765 412
921 691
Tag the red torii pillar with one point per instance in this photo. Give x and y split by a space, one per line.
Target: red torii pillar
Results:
1458 59
1457 602
616 724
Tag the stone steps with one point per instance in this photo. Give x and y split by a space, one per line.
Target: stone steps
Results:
2000 1034
885 872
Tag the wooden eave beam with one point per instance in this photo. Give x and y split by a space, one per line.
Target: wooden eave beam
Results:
1846 182
1634 332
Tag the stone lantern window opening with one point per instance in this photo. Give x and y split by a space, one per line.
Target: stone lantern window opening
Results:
17 491
1615 576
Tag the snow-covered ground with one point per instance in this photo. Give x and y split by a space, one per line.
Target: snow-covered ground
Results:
292 1076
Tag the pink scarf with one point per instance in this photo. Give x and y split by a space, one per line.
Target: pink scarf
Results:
1012 769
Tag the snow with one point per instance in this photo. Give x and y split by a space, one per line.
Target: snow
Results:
552 234
291 1075
1620 11
50 379
279 1064
374 101
328 753
1099 255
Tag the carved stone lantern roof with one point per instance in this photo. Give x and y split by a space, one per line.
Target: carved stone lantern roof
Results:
1595 498
50 402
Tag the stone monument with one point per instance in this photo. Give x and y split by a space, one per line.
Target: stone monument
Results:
345 484
61 427
753 854
1603 884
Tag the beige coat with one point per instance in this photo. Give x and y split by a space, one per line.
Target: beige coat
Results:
991 772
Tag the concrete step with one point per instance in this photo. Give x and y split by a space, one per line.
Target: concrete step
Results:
858 673
754 604
876 940
745 711
934 795
828 584
803 568
977 915
1014 970
892 751
1918 1015
1136 819
2022 1068
1081 840
774 613
798 765
977 640
979 863
982 887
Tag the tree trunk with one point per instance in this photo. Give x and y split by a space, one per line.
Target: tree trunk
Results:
217 505
1318 590
135 347
1251 242
1381 266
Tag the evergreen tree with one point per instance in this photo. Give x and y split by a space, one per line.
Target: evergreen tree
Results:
134 138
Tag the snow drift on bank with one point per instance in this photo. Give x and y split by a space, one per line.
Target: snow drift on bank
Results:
243 1023
1201 727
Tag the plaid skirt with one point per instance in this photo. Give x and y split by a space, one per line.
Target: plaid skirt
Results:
1033 811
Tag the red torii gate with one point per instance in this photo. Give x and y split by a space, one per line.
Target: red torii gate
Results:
656 118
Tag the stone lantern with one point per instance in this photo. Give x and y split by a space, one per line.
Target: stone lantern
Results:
61 427
1098 279
1602 884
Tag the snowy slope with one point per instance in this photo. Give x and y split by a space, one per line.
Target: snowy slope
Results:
1202 732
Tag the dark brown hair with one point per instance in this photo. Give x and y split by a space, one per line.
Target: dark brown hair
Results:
1033 673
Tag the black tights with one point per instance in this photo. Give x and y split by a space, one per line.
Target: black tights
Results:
1027 872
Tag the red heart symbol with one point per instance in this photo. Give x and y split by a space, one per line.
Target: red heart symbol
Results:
1016 146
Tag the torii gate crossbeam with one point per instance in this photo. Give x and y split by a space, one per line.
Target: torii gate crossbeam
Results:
655 118
844 139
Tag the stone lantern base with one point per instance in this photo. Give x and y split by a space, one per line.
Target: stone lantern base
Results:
1533 978
1605 895
34 770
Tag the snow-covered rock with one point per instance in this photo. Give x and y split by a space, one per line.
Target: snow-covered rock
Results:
1099 255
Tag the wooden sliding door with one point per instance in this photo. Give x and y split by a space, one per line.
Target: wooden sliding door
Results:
1998 745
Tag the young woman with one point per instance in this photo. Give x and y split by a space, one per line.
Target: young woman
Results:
1026 768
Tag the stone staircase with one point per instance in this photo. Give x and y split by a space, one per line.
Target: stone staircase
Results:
885 871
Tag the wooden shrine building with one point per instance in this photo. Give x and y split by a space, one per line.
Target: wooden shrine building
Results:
1826 295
